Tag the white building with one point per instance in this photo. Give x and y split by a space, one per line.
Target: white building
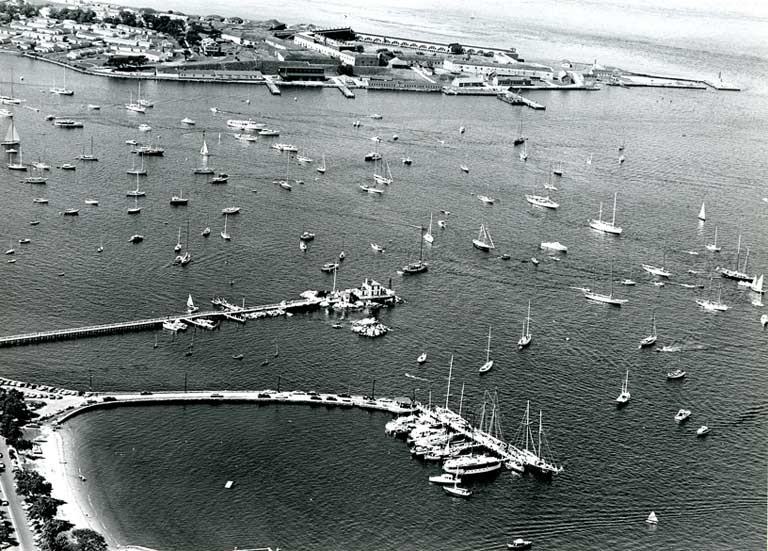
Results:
487 68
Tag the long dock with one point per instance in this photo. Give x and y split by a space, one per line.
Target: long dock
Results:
152 323
370 292
517 99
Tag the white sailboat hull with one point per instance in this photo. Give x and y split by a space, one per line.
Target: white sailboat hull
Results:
605 227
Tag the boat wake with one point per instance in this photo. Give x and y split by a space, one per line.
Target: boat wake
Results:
417 378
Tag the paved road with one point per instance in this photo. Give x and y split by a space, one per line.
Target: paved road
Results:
15 511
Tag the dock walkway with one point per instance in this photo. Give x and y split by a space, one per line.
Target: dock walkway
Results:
152 323
517 99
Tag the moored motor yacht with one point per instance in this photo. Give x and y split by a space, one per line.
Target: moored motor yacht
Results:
682 415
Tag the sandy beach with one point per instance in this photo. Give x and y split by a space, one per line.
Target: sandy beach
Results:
59 466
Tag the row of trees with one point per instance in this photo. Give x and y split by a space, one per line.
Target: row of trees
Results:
11 10
77 14
57 534
14 414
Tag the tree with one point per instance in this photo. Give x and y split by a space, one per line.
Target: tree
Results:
85 539
51 531
31 483
344 69
456 48
44 507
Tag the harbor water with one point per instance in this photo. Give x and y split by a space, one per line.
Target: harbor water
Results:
328 478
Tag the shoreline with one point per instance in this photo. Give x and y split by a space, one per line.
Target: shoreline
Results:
59 466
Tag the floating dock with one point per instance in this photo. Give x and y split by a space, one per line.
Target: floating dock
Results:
517 99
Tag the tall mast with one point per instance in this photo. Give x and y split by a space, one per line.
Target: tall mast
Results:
336 267
488 349
421 245
539 450
527 422
611 281
613 219
461 400
448 391
738 253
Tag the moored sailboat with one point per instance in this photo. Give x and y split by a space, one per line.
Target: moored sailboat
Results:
488 361
650 340
624 397
418 266
603 225
526 337
484 242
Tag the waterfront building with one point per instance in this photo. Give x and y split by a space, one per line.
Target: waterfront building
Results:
483 67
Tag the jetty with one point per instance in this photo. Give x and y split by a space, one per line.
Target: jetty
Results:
369 293
517 99
273 89
343 88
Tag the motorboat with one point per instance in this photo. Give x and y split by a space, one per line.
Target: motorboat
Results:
376 247
92 202
519 544
67 166
422 358
268 132
245 124
682 415
457 491
542 201
464 169
71 212
285 147
67 123
136 238
676 374
144 128
230 210
472 465
486 199
654 270
175 325
307 236
445 478
553 246
764 320
372 156
220 178
703 430
188 121
329 267
246 137
652 519
40 200
25 241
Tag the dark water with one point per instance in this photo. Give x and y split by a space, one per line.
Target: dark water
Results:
314 478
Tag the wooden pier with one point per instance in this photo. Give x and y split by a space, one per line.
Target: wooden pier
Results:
153 323
370 292
517 99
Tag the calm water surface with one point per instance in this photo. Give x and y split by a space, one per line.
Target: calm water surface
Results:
317 478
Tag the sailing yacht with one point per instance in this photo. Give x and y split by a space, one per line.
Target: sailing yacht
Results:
624 397
712 247
543 201
14 165
191 308
224 234
428 237
322 167
186 258
137 171
702 213
713 306
488 361
386 177
418 266
137 107
10 250
87 156
136 192
520 138
736 273
558 170
484 242
204 168
177 248
61 90
136 209
526 337
650 340
603 225
654 270
606 299
11 135
179 199
524 152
